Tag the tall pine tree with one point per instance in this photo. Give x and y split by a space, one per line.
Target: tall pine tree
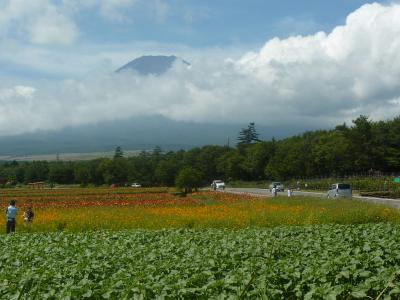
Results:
118 152
248 135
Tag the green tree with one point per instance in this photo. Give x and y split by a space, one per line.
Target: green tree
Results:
118 152
230 165
82 173
37 171
165 172
256 158
61 173
248 135
330 155
290 159
392 157
206 159
361 146
115 171
189 179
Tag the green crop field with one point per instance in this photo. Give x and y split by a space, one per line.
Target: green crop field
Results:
311 262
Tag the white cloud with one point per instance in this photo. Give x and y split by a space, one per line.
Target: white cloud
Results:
49 22
53 29
39 21
316 81
17 91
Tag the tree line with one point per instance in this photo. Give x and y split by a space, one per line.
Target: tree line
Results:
363 146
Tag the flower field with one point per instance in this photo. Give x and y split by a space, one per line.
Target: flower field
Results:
99 243
123 208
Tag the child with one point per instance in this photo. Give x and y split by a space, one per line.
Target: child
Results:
11 213
28 215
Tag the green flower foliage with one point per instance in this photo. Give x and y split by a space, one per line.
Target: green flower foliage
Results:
312 262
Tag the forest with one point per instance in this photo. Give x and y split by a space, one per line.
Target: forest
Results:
363 147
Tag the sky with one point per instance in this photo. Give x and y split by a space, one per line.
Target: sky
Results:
314 63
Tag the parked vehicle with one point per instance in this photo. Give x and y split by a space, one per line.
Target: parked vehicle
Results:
277 185
217 184
340 190
136 185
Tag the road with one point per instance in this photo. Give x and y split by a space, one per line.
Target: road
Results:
266 193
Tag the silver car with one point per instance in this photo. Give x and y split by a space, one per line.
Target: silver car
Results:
340 190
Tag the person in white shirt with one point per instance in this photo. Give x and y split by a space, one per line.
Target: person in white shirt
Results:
11 213
273 192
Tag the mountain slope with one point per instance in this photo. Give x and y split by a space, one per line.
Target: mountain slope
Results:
139 133
151 65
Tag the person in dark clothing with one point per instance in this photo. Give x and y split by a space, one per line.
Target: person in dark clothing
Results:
28 215
11 213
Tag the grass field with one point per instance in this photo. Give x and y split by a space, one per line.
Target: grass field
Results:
123 208
100 243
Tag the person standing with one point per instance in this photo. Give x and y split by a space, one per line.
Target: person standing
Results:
28 215
289 192
274 193
11 213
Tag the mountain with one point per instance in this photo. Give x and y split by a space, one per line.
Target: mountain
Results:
151 65
139 133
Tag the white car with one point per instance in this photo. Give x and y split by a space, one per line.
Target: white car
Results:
277 185
340 190
136 185
217 184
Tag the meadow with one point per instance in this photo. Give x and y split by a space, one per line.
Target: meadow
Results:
122 243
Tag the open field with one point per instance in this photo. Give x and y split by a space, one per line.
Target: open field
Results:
307 262
83 209
124 243
66 156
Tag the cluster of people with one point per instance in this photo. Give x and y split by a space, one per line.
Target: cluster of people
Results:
11 215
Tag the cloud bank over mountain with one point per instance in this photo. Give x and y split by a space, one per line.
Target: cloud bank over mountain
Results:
317 80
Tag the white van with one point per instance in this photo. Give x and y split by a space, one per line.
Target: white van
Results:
218 184
340 190
277 185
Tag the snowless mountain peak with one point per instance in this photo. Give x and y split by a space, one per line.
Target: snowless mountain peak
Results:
151 65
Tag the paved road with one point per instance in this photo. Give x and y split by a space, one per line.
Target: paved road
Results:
266 193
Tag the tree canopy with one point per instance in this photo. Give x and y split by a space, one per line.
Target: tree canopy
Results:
363 146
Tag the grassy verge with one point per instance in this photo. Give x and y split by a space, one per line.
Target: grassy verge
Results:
248 184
